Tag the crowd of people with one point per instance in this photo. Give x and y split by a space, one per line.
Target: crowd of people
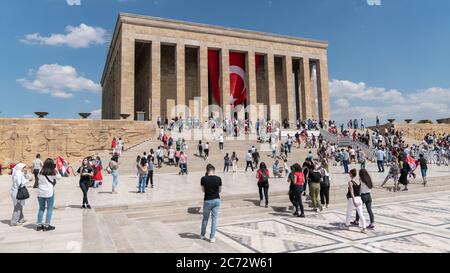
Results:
45 175
311 177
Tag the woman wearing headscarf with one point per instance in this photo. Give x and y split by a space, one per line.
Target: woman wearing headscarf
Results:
19 179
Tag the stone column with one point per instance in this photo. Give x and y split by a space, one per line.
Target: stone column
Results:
270 69
203 66
322 89
191 108
287 71
306 92
155 100
181 86
170 104
313 90
252 98
299 96
127 77
225 82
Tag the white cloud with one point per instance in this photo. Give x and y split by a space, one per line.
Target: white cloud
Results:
374 2
357 100
73 2
351 90
342 103
59 81
81 36
86 101
96 114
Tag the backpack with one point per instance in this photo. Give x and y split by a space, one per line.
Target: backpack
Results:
361 159
264 179
299 179
325 181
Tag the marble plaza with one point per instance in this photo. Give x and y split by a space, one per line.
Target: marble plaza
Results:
167 218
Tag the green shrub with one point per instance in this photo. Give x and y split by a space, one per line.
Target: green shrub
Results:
425 121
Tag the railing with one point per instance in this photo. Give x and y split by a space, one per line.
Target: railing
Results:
348 142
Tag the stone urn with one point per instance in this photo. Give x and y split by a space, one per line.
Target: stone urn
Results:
408 121
84 115
443 121
125 116
41 114
391 120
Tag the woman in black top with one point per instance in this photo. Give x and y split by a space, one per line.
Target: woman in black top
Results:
263 183
306 168
86 173
404 171
354 200
200 148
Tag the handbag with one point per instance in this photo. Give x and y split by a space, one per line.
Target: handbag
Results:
22 193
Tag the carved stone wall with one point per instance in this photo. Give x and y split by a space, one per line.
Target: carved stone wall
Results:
418 131
22 139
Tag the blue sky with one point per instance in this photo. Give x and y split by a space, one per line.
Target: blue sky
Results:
390 59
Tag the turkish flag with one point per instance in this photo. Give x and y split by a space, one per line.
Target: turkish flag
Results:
413 163
214 73
238 90
62 166
238 87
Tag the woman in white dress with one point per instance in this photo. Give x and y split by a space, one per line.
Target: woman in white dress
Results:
19 179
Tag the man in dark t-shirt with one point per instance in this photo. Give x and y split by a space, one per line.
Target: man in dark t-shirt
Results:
211 186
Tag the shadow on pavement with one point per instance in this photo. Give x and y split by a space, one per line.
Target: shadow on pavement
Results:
254 201
30 226
279 209
194 210
189 235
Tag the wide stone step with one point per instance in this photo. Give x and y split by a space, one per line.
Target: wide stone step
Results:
248 204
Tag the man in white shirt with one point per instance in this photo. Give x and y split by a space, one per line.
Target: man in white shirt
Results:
37 166
159 156
171 155
380 159
120 147
352 153
274 149
249 160
221 142
289 143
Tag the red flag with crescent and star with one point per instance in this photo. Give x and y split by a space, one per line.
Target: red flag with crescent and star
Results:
214 73
238 87
62 166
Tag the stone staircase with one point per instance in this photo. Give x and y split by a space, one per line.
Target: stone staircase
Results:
343 142
195 163
248 204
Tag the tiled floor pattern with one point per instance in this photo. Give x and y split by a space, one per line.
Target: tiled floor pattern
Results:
412 226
